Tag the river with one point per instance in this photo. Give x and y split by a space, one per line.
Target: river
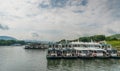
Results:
16 58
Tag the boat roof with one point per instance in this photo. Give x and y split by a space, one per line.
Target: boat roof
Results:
77 48
96 49
86 43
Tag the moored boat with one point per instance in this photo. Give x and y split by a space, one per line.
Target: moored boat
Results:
81 50
35 46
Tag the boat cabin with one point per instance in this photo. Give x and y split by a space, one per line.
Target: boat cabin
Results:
112 52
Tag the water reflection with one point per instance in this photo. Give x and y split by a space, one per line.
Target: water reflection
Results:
83 65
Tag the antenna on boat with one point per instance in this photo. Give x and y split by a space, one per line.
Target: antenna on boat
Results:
78 40
66 41
105 42
91 40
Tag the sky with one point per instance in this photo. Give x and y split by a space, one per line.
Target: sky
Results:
58 19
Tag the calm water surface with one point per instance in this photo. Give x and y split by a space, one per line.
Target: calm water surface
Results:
16 58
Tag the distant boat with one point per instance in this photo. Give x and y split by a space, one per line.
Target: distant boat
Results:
35 46
16 44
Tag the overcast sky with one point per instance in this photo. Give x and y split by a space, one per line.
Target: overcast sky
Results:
58 19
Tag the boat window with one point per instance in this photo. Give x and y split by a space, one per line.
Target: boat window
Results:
68 51
73 51
78 45
56 45
79 51
109 51
66 45
84 45
59 46
63 46
88 45
84 51
97 45
53 51
99 51
53 45
75 45
114 51
81 45
108 46
48 51
69 45
50 46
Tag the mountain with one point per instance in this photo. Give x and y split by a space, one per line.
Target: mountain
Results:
7 38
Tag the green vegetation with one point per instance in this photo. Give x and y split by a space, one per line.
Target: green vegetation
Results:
94 38
115 36
115 43
11 42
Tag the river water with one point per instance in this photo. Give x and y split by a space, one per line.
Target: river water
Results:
16 58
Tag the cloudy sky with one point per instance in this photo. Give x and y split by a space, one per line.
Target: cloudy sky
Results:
58 19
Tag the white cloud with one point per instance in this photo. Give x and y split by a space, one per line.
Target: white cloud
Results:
55 22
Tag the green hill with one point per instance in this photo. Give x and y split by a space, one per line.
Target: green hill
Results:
7 38
115 36
115 44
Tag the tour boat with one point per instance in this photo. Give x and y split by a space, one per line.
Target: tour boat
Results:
81 50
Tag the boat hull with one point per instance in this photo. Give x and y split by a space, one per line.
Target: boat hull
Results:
35 48
102 57
75 57
115 57
54 57
85 57
69 57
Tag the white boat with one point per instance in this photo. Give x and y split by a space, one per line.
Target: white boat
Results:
83 50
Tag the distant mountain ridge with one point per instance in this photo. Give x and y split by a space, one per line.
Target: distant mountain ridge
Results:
7 38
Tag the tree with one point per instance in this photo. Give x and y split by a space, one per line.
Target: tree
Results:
84 39
98 37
